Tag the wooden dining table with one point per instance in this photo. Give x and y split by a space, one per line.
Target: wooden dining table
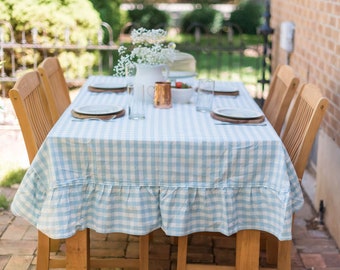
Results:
178 169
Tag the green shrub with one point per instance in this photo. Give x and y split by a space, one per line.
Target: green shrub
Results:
248 16
211 19
51 18
109 12
4 203
13 177
149 17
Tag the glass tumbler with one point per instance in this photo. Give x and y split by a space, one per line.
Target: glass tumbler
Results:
205 95
136 107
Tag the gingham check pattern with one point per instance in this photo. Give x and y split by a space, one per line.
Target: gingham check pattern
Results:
175 170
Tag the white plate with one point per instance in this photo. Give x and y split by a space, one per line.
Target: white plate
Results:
108 85
98 109
238 113
181 74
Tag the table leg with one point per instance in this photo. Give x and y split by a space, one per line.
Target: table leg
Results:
43 260
247 250
144 252
271 248
182 252
78 251
284 255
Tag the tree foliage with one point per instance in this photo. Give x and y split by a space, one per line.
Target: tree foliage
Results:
206 16
52 19
149 17
110 13
248 16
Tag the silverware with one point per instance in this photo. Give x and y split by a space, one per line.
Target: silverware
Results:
238 124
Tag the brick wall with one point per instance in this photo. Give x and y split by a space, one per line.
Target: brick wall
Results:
316 55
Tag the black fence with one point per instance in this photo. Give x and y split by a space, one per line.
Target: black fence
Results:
16 52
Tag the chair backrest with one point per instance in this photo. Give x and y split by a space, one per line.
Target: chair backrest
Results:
281 92
303 124
31 107
56 88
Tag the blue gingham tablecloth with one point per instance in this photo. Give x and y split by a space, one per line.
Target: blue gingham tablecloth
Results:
175 170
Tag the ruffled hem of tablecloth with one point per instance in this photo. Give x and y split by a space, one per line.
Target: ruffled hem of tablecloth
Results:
139 210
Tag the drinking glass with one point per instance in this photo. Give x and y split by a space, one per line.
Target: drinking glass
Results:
130 73
205 95
136 108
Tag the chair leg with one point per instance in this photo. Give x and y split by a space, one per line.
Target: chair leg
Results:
54 244
182 252
272 246
284 255
144 252
43 257
247 246
78 251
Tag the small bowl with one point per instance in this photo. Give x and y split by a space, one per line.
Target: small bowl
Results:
181 95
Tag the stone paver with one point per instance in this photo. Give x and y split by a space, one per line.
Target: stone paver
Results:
17 262
313 260
15 247
332 260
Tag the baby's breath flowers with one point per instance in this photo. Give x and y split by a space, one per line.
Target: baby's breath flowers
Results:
144 36
148 48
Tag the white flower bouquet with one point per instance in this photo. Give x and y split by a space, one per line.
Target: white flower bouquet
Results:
148 49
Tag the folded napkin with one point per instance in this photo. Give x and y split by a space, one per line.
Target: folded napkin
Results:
101 116
237 120
98 90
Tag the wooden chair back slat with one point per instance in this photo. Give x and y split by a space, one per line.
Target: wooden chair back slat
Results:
57 91
281 92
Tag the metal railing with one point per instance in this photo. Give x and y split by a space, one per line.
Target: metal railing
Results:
10 48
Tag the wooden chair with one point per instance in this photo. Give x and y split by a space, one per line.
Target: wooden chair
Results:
281 92
56 88
298 137
32 110
303 124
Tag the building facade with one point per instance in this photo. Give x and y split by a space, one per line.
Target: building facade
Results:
316 59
